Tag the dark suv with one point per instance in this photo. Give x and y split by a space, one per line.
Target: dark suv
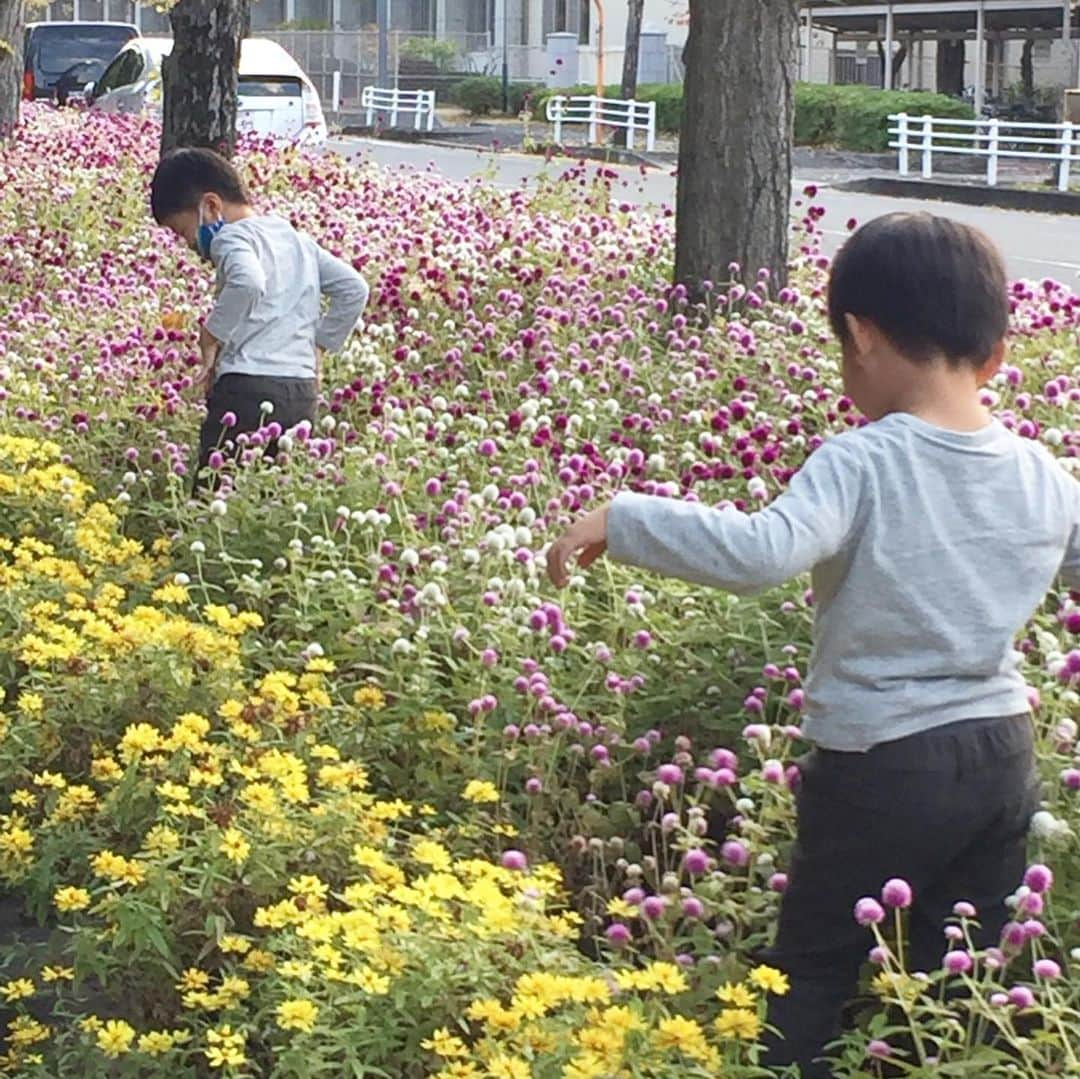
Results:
62 57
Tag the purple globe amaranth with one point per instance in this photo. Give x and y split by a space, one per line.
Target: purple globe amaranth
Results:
514 860
897 893
868 911
696 862
957 962
735 853
1039 878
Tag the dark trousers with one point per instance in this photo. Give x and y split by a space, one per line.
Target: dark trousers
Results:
947 810
294 399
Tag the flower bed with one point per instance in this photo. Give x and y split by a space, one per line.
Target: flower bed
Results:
322 778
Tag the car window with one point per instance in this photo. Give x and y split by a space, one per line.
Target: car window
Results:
59 47
116 74
269 86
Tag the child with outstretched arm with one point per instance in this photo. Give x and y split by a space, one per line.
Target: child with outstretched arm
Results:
932 533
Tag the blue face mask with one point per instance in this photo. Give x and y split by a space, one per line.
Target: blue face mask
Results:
206 233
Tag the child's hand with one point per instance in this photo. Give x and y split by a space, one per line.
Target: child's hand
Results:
209 346
586 538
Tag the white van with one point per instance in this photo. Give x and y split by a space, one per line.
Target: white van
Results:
276 98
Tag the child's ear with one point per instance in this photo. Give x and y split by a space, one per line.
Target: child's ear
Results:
993 364
861 332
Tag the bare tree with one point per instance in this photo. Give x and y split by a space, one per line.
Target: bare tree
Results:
200 75
634 15
11 63
734 187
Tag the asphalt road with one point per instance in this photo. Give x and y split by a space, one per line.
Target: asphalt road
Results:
1035 245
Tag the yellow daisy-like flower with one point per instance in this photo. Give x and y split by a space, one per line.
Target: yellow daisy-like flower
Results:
738 996
738 1023
504 1067
234 846
297 1015
68 899
17 989
155 1043
370 698
231 944
115 1038
480 791
57 974
770 980
444 1044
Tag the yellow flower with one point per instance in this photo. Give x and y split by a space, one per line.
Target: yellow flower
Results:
234 846
30 704
737 996
771 980
24 1031
226 1048
444 1044
171 593
231 944
68 899
738 1023
370 698
660 977
504 1067
297 1015
619 908
480 790
115 1038
155 1043
57 974
18 989
683 1035
192 978
432 854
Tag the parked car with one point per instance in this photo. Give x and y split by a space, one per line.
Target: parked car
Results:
61 57
276 97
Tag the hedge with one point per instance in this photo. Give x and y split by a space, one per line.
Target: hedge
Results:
482 94
848 117
857 117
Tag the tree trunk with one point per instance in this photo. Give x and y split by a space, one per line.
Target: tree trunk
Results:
897 61
950 68
11 63
200 75
1027 69
634 15
734 188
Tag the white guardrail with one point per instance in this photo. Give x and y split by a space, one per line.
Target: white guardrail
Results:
600 112
924 136
421 103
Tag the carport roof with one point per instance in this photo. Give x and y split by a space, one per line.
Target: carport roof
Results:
858 16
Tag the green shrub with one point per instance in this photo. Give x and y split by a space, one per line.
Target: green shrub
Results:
482 95
857 117
442 54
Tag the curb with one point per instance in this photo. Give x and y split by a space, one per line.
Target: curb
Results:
1004 198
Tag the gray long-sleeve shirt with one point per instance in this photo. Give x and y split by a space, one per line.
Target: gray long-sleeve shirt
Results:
268 315
930 550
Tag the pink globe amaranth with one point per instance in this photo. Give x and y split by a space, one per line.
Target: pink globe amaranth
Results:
1013 937
671 774
879 955
735 853
778 882
1021 997
653 907
696 862
618 934
1039 878
897 893
1046 969
514 860
868 911
879 1050
634 896
963 909
957 962
692 907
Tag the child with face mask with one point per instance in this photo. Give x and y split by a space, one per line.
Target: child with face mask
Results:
262 342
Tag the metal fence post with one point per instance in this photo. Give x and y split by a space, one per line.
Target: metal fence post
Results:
927 147
992 159
335 96
556 115
594 107
1066 156
650 143
631 123
902 135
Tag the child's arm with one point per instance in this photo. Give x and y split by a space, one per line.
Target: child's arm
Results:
243 285
743 553
348 295
1070 568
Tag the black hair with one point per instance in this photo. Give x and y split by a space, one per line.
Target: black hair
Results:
933 287
184 176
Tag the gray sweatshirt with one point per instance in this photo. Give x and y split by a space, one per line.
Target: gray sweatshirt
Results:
268 315
930 550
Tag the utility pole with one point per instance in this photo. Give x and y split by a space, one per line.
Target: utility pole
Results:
506 57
